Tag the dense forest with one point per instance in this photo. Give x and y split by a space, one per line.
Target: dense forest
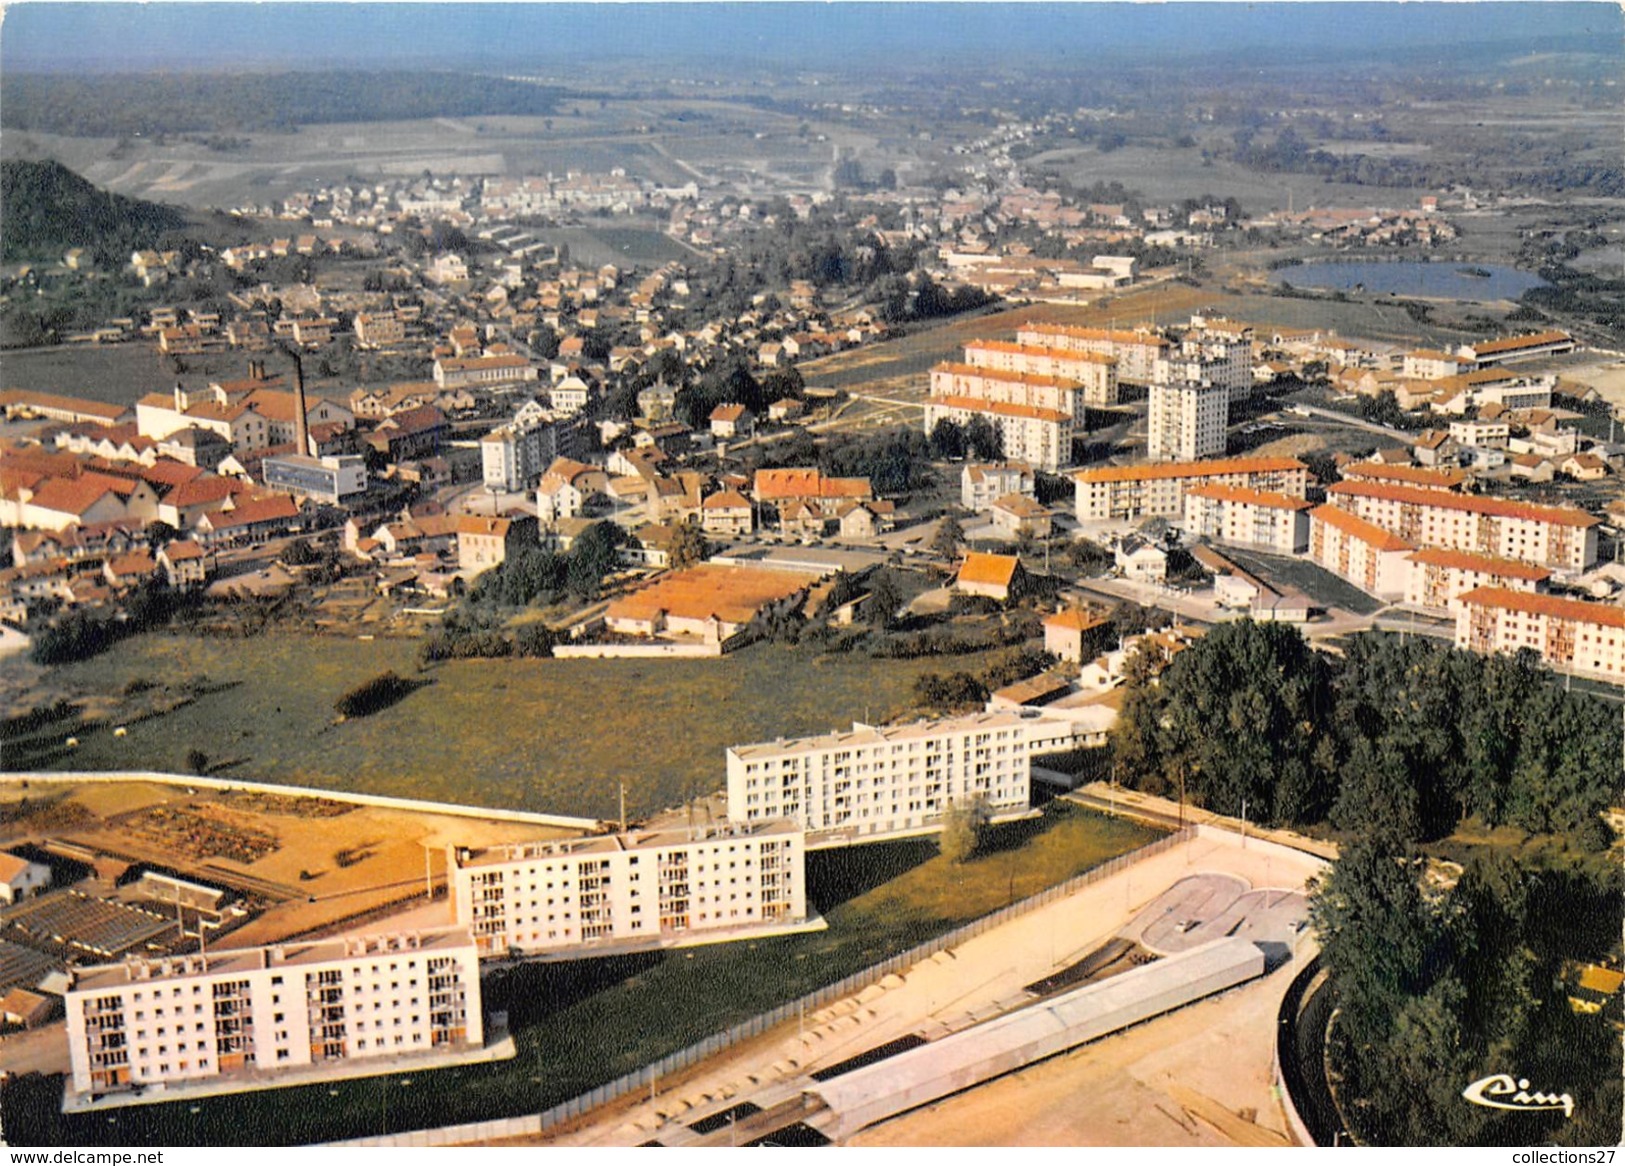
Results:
1403 736
125 105
1440 985
48 209
1442 975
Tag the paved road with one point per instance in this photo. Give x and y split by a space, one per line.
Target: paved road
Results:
1302 1054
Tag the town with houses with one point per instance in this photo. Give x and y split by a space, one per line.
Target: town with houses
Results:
1071 426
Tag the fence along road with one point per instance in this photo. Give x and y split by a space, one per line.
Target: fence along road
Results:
641 1080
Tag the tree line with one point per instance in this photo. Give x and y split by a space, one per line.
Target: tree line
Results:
151 104
1401 739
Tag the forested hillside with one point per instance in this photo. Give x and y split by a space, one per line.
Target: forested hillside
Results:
122 105
47 209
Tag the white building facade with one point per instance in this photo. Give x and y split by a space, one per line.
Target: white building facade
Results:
295 1005
661 888
878 781
1128 493
1186 420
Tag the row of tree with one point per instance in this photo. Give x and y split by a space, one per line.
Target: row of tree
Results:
1401 739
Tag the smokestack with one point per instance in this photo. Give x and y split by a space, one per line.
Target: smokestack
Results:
301 419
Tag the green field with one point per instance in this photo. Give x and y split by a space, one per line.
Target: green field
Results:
580 1024
622 246
544 735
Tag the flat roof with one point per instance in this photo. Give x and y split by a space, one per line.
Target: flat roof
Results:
862 734
960 1059
617 843
290 955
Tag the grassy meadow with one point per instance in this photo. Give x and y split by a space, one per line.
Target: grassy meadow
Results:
553 736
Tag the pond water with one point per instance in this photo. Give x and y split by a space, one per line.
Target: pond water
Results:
1444 280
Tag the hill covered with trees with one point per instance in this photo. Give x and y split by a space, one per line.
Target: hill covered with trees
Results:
121 105
48 209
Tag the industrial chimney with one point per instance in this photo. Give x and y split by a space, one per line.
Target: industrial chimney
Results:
301 416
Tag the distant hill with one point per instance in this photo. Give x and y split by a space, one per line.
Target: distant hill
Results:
45 209
124 105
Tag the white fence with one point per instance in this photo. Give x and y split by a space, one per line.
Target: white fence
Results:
299 791
637 651
644 1079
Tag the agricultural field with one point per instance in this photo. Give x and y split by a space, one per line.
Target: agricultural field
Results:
580 1024
623 246
553 736
124 373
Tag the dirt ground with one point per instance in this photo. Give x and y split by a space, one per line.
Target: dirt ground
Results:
1137 1088
356 861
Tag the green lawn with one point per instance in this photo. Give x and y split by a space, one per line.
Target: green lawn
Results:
554 736
579 1025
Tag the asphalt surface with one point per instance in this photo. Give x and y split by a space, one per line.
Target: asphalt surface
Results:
1301 1053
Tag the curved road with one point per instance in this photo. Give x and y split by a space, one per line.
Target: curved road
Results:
1301 1053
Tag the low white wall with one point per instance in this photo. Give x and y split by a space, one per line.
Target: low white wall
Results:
637 651
221 783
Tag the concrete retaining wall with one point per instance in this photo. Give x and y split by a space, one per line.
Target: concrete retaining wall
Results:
637 651
220 783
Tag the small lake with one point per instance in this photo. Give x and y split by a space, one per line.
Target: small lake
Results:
1443 280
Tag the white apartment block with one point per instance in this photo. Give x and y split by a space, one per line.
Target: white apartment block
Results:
950 379
1253 518
1186 421
635 890
149 1022
879 781
1491 434
1041 437
1094 371
1136 351
1212 360
516 455
1128 493
982 485
1431 365
1373 559
1559 537
1439 578
1570 634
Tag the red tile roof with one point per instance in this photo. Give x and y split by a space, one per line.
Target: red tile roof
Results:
1264 498
953 368
1485 564
1556 607
1472 503
995 569
1358 528
1001 408
1406 475
1205 469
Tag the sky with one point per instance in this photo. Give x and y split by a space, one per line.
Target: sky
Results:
184 36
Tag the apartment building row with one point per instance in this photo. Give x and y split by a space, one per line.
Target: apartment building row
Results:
884 780
1384 565
1278 523
150 1022
1030 433
1130 493
1570 634
1137 351
635 889
1094 372
1559 537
